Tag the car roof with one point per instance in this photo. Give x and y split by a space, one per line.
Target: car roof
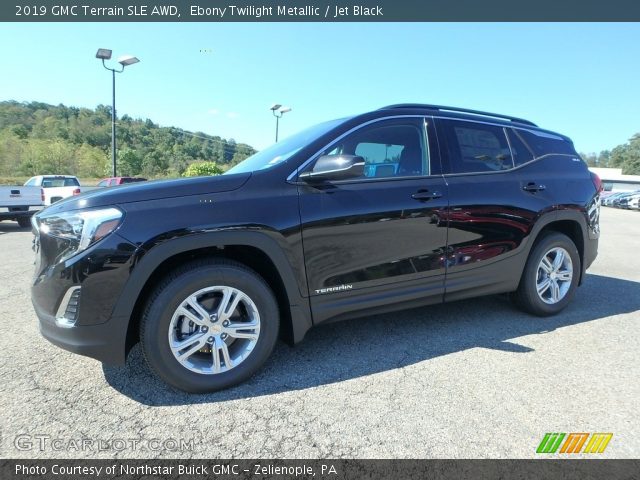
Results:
466 114
443 108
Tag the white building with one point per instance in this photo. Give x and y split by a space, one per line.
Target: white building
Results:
614 181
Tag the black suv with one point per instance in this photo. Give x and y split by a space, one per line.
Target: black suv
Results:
406 206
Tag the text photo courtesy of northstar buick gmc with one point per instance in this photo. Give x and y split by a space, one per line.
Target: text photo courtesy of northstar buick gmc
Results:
401 207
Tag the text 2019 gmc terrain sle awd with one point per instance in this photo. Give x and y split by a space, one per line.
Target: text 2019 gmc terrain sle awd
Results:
406 206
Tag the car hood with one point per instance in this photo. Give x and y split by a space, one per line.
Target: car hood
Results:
152 190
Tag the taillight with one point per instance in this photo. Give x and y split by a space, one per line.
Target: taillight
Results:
42 194
77 191
596 182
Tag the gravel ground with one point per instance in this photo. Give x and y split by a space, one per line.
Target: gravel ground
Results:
472 379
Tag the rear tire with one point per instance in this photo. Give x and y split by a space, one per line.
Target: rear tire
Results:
24 222
209 325
550 277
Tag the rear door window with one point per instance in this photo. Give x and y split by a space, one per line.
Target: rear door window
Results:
475 147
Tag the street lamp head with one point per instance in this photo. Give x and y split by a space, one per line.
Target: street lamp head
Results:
275 107
103 54
284 109
127 60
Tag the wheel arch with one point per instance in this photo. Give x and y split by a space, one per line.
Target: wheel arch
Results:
571 223
255 250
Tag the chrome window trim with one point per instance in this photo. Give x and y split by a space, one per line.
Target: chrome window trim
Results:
511 169
425 132
292 176
513 158
533 131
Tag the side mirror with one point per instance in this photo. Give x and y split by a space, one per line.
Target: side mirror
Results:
335 167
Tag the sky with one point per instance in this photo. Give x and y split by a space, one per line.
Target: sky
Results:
582 80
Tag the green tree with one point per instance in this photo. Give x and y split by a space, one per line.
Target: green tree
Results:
93 162
632 167
590 158
129 162
12 153
202 169
627 156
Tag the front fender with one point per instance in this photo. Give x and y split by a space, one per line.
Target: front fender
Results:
148 261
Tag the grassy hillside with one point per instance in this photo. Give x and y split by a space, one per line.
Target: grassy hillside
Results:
37 138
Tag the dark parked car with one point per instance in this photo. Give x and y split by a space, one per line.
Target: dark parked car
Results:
622 201
405 206
113 181
610 199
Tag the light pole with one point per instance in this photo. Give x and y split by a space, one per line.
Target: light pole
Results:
126 60
275 109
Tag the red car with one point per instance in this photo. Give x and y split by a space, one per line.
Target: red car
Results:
113 181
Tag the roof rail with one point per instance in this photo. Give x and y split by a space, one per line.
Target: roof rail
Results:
461 110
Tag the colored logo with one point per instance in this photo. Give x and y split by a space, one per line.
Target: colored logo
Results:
573 443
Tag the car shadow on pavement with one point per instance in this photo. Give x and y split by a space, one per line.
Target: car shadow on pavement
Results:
345 350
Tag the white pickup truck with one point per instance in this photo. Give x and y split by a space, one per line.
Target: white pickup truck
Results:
19 203
55 187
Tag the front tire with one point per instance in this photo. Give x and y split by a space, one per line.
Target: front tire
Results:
209 325
550 277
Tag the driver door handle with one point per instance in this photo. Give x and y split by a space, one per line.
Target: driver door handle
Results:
534 187
425 195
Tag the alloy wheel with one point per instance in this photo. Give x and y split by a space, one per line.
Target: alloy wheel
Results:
554 275
214 330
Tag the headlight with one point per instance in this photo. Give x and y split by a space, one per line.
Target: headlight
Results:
80 228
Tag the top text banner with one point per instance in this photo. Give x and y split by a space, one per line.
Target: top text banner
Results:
321 11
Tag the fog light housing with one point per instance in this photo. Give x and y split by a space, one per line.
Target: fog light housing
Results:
67 314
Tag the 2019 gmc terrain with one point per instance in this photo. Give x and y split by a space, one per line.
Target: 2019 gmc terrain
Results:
405 206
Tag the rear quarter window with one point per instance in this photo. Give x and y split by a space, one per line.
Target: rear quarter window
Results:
542 143
521 152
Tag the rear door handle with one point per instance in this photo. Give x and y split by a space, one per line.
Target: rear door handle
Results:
425 195
533 187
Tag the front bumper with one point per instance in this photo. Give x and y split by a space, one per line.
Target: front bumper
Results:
101 272
105 342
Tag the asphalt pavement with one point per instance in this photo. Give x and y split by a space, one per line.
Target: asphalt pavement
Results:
471 379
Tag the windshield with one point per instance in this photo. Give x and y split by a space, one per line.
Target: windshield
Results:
281 151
